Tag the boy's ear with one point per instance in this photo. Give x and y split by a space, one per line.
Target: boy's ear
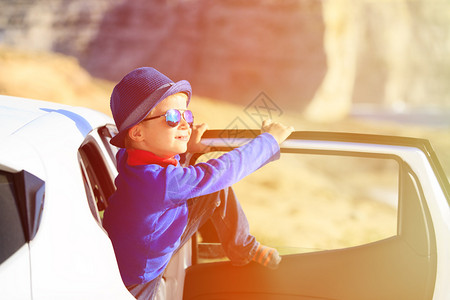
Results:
135 133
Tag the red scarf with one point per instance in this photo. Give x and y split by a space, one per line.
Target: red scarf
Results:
138 157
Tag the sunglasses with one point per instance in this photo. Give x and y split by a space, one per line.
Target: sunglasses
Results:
173 117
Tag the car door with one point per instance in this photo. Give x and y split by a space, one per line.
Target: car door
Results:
354 217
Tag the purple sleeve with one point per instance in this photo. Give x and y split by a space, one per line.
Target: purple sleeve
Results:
216 174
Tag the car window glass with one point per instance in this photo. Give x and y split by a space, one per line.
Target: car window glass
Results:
97 179
12 235
304 202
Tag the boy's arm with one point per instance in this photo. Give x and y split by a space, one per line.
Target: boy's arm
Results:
216 174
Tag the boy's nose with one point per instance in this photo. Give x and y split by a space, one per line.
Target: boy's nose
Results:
183 124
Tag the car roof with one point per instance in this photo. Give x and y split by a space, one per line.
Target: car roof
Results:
16 112
32 128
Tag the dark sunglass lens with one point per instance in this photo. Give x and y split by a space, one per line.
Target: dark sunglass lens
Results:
189 117
173 117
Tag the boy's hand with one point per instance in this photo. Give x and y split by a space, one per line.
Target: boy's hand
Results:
194 145
279 131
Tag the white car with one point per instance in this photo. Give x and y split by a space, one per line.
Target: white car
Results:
57 170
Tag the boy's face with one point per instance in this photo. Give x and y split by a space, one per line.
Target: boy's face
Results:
157 136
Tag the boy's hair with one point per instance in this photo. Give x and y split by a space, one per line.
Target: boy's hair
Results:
127 141
137 94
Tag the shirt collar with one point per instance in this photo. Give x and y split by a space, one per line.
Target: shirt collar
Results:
137 157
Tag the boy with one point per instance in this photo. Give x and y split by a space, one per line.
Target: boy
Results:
159 205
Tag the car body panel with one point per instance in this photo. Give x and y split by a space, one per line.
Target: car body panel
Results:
15 275
75 258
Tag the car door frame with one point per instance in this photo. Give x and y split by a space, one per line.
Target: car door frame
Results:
418 161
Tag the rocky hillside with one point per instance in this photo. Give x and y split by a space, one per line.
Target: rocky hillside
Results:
395 52
228 49
51 77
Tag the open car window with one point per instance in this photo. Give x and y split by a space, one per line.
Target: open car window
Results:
310 202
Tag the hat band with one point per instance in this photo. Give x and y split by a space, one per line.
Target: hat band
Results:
142 109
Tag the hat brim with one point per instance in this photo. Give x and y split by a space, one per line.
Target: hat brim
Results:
182 86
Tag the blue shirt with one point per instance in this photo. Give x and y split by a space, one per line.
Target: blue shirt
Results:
147 214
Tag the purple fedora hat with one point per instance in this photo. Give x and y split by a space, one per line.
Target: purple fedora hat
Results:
137 94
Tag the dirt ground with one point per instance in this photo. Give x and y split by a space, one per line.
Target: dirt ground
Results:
280 200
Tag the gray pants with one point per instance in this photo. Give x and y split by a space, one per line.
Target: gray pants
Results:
227 216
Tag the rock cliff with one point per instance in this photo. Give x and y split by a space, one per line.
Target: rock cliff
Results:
231 50
394 52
